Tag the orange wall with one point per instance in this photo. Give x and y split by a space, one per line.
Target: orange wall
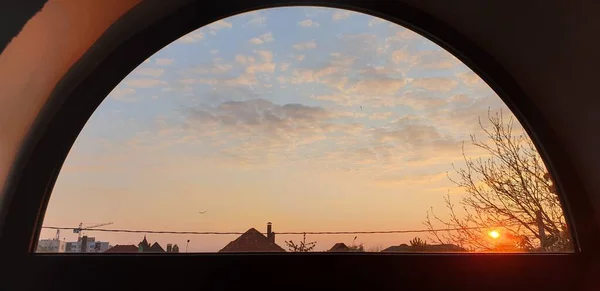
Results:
33 63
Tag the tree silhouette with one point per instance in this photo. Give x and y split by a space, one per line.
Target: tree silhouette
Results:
508 189
418 243
303 246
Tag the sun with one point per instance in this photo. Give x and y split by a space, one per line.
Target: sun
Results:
494 234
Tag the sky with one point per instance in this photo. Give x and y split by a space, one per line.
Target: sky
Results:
314 119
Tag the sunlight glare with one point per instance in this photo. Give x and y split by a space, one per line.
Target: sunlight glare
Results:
494 234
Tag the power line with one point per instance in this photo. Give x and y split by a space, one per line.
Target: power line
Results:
279 233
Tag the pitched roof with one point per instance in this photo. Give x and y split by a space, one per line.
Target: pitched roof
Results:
155 248
144 244
122 249
339 247
439 248
251 241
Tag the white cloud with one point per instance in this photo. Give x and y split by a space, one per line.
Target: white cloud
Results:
214 52
256 40
471 79
151 72
380 115
439 84
341 14
300 58
219 25
374 21
191 37
121 93
258 21
241 59
261 68
383 86
214 68
164 62
144 83
284 66
399 56
308 23
305 45
266 56
263 38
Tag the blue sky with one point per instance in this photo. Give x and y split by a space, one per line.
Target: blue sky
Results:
312 118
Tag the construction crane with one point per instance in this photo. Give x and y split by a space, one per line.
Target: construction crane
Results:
81 228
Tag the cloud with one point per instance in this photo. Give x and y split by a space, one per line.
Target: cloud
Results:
191 37
471 79
421 101
213 68
243 59
220 25
284 66
266 56
214 52
416 137
263 38
258 20
144 83
300 58
402 55
308 23
151 72
121 94
341 14
374 21
305 45
382 86
164 61
439 84
381 115
438 59
262 129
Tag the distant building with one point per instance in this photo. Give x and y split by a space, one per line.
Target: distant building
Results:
339 247
90 245
439 248
122 249
51 246
172 248
143 247
253 241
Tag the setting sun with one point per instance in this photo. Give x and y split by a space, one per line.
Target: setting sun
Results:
494 234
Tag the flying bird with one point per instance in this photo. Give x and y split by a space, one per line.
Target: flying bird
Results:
202 212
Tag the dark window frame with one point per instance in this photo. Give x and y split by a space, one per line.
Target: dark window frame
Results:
150 26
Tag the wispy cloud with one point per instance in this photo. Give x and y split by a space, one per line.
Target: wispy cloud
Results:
164 61
259 20
151 72
191 37
263 38
305 45
440 84
308 23
341 14
144 83
121 94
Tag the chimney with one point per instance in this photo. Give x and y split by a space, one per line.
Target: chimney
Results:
169 248
84 244
270 233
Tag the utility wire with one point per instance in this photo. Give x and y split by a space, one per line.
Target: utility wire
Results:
279 233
